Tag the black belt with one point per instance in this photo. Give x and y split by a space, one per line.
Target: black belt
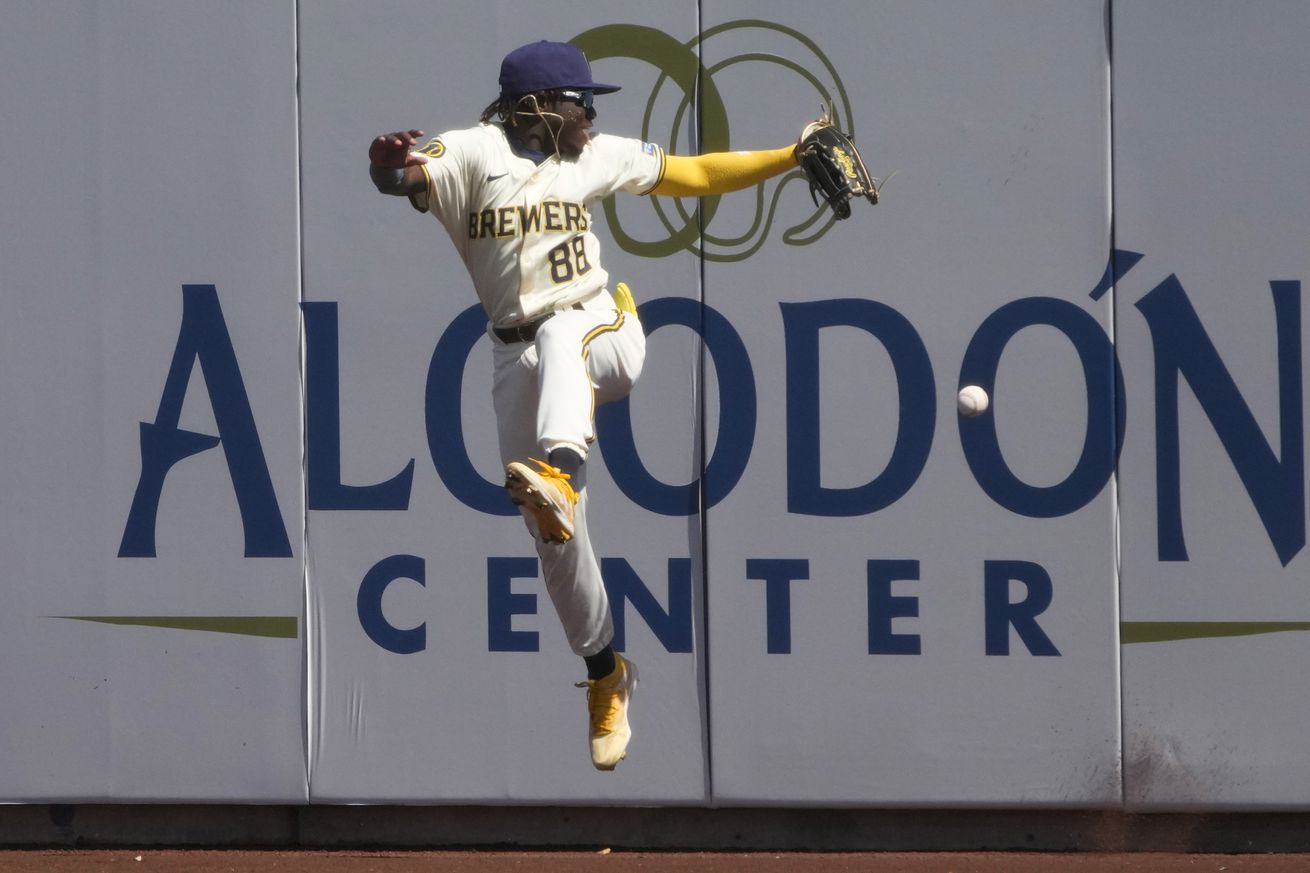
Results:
525 333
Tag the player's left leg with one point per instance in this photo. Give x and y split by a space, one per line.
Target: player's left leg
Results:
570 570
573 581
577 590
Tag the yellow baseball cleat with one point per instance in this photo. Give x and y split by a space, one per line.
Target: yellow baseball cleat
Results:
545 498
607 705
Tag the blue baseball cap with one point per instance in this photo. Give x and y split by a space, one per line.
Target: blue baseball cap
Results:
547 66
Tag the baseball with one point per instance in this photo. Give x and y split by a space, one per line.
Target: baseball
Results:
971 400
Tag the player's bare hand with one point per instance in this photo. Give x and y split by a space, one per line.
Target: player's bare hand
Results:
393 150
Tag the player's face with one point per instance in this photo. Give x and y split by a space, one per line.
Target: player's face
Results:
576 112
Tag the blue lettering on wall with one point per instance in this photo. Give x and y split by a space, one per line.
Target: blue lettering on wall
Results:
736 436
802 323
1116 266
1103 383
777 575
884 606
1183 349
1273 477
445 421
1000 614
672 627
368 605
503 604
204 337
323 486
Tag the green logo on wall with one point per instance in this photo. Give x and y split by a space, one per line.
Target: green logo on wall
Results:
681 69
278 626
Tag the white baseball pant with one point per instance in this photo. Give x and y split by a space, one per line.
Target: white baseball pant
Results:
545 394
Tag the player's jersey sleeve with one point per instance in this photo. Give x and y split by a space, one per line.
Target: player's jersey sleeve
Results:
451 157
628 164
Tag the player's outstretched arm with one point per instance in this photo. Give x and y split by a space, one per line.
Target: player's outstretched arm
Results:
393 167
721 172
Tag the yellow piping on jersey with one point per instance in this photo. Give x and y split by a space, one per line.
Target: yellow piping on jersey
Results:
428 194
659 177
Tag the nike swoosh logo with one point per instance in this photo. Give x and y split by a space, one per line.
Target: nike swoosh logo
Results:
491 178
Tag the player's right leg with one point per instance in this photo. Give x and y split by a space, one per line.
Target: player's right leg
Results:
586 358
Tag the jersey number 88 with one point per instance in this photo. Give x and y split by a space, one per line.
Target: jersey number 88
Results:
568 259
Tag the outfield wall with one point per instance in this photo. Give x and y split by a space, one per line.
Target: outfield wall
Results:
256 546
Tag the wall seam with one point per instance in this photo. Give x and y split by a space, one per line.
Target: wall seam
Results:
702 434
1114 333
307 671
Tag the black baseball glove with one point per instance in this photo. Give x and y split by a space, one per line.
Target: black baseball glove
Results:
834 167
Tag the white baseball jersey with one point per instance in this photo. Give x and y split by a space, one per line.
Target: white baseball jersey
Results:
523 229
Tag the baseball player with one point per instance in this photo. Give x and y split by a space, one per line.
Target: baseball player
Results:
514 194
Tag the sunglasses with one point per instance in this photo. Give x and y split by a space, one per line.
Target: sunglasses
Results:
583 99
